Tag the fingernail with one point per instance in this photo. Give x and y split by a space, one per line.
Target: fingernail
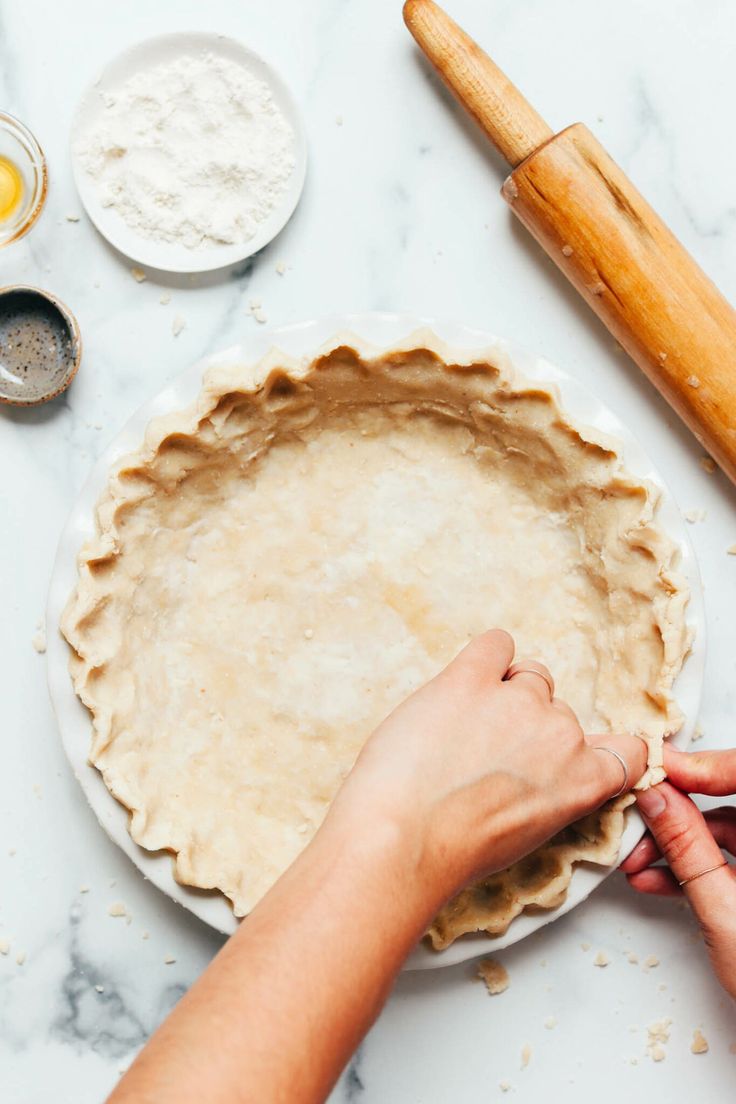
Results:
651 802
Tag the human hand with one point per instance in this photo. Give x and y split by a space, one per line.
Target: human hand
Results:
691 843
478 771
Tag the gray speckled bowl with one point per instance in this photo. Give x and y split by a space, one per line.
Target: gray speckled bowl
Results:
40 345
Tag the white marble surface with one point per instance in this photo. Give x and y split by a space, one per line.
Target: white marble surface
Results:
400 211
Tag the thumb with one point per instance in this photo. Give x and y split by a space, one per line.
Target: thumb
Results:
685 841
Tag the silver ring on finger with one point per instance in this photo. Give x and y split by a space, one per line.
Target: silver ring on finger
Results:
617 755
530 667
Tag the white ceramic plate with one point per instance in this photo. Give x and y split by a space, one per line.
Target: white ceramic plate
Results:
162 255
300 340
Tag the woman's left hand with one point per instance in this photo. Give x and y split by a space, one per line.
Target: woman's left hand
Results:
691 843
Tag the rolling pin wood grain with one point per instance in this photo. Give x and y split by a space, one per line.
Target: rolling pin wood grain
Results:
612 246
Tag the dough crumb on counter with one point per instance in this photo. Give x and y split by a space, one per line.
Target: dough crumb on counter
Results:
732 550
697 734
658 1033
699 1045
550 1022
601 959
21 957
495 976
633 958
504 1086
39 640
169 960
281 267
585 946
526 1055
255 308
164 299
117 908
708 464
138 275
84 889
178 325
99 988
4 945
71 218
692 517
650 962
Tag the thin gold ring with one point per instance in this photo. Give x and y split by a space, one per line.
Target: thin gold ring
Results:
530 667
702 872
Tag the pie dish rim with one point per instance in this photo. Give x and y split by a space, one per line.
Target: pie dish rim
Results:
375 332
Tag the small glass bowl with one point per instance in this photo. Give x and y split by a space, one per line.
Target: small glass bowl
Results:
19 146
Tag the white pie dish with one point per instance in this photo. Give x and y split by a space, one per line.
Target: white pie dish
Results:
302 340
162 255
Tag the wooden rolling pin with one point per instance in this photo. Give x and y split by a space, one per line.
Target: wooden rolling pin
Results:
597 228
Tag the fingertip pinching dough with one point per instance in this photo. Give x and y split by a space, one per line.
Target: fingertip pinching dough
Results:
282 563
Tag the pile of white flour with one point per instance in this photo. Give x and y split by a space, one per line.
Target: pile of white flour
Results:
193 152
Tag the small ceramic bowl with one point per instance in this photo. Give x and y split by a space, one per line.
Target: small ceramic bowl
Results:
40 346
22 150
173 256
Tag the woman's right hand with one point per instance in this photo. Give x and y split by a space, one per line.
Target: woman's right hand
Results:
691 843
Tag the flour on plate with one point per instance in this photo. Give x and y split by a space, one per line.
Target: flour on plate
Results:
192 152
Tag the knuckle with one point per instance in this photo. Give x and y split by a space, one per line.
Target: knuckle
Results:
488 645
676 838
500 639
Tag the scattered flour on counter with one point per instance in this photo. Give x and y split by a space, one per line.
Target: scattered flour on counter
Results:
193 152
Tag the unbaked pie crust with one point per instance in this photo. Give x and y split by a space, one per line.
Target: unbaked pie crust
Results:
285 561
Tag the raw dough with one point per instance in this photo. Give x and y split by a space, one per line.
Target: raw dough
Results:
284 562
494 974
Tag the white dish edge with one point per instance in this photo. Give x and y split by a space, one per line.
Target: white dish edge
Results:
303 339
